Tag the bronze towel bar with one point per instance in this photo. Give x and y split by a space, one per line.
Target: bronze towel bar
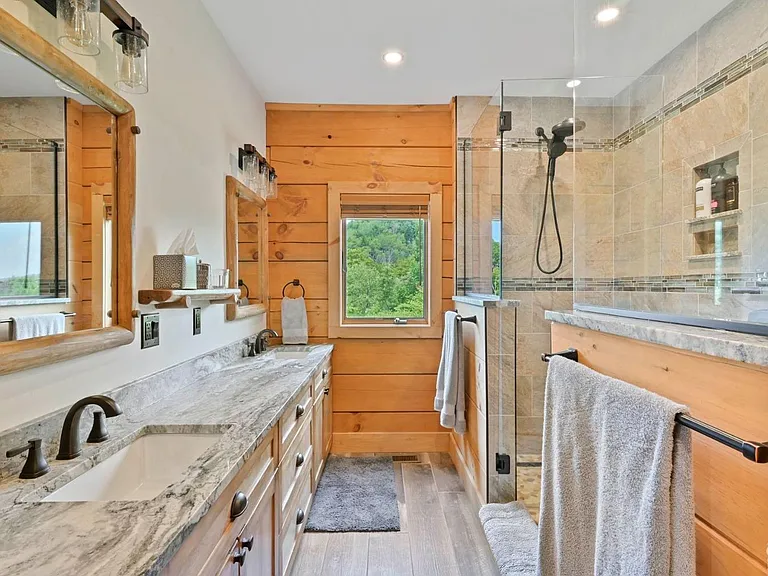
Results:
753 451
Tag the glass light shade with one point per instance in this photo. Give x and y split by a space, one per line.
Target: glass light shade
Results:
251 171
79 23
131 61
272 187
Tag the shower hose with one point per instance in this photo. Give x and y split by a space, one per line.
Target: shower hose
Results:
549 190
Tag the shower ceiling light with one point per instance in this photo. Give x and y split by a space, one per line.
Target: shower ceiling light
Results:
393 58
608 14
574 83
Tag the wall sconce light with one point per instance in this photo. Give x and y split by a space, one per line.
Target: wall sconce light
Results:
79 24
258 174
80 32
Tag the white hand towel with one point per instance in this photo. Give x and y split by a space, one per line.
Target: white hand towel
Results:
37 325
449 394
617 486
294 320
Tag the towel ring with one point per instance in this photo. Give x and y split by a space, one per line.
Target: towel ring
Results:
295 282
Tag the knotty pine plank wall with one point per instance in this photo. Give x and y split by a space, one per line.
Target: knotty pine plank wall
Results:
383 389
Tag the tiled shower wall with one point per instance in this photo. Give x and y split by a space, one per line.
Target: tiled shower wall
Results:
27 175
705 100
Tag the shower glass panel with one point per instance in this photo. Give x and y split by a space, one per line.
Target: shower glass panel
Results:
537 254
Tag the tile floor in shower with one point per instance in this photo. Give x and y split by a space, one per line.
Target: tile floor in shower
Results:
529 482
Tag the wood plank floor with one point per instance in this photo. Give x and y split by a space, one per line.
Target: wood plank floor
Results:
440 533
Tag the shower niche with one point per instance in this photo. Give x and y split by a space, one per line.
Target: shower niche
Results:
716 215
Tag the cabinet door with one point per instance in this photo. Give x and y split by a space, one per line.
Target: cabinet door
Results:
328 420
231 568
257 541
318 445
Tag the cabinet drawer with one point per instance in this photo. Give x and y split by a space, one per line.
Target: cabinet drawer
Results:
297 458
207 547
322 376
295 415
293 523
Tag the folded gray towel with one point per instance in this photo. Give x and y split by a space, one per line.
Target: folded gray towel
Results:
617 489
512 535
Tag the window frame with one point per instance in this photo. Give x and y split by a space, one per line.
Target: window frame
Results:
431 326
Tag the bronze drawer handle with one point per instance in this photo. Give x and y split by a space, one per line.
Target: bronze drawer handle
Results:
325 373
299 460
239 505
300 411
300 516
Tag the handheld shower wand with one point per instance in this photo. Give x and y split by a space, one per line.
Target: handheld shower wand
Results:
556 147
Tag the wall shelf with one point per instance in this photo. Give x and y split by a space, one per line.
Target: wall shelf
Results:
729 218
184 298
699 257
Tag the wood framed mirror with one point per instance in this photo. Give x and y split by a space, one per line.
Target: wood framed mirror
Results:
67 204
247 245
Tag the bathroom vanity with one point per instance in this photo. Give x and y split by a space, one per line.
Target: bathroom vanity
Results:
259 430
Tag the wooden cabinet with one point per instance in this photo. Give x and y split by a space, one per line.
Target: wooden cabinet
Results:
278 481
257 541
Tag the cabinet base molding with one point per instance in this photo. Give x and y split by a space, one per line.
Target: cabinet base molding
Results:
408 442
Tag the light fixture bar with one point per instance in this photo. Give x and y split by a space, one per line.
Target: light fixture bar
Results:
120 17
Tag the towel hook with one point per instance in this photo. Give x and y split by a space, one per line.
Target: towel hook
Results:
295 282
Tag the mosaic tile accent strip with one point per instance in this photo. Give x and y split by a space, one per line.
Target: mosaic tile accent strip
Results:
30 145
728 75
509 144
691 284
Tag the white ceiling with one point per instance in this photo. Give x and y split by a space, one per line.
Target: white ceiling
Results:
330 51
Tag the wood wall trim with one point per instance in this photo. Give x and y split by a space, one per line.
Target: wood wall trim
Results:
27 354
390 442
383 146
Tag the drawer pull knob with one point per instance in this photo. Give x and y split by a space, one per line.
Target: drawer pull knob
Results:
300 516
300 411
247 543
239 557
327 391
325 373
239 505
299 460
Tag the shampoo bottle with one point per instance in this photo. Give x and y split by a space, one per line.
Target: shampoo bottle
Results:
704 198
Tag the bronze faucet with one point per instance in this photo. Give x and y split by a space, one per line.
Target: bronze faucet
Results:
70 446
261 344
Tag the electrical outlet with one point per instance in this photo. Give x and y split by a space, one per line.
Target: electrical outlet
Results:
150 330
197 321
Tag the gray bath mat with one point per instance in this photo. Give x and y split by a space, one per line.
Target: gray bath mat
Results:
513 537
356 495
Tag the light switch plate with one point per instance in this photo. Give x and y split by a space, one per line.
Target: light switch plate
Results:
150 330
197 321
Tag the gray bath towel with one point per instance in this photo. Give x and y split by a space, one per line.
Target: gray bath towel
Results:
512 536
449 394
617 488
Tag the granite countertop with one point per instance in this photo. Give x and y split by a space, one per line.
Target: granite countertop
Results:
719 343
244 400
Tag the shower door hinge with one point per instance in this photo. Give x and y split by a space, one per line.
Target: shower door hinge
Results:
505 122
503 464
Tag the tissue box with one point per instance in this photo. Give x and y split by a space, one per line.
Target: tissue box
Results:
175 272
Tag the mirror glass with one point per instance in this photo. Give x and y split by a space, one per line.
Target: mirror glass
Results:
57 176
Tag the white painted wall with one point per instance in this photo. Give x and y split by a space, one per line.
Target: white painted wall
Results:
200 108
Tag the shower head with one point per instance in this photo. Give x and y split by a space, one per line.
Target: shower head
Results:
567 128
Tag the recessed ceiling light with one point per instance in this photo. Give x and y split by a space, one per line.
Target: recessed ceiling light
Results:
393 58
573 83
65 87
607 14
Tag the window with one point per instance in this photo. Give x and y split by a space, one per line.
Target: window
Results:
20 267
385 251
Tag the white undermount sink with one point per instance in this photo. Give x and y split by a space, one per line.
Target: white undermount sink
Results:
291 354
140 471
